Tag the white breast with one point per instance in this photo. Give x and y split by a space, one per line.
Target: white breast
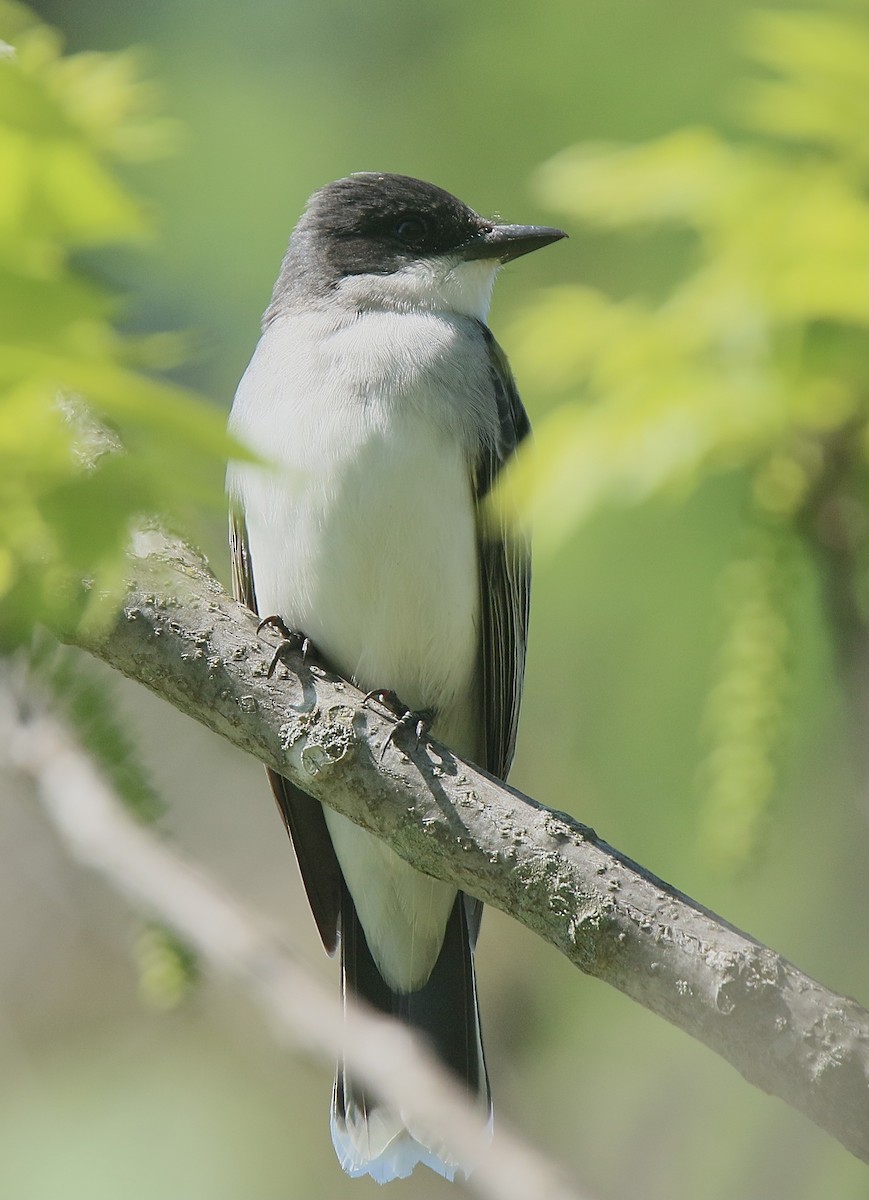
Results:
362 535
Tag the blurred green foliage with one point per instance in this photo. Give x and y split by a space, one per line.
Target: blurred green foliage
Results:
88 441
168 969
756 359
746 709
79 694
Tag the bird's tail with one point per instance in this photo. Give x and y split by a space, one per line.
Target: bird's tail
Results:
369 1138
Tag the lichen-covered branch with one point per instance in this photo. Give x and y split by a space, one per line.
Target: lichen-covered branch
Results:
180 634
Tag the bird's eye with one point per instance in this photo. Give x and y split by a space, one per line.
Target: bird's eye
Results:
411 230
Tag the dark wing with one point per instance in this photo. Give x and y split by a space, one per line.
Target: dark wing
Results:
239 551
505 576
302 815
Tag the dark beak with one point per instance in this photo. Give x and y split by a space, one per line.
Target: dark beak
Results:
506 242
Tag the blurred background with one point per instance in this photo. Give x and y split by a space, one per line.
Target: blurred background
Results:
102 1094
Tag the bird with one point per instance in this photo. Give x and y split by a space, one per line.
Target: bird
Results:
382 411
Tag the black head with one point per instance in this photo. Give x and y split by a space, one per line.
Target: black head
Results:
376 224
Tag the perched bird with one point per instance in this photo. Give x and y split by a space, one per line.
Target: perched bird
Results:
385 410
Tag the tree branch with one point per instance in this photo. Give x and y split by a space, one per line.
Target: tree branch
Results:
389 1058
180 634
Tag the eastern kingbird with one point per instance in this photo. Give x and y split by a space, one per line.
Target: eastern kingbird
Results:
387 410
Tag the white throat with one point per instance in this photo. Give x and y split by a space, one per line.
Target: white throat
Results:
443 285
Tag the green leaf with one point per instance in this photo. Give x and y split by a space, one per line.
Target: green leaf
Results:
69 493
746 711
820 95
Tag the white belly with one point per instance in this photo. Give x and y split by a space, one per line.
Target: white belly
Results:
363 537
376 563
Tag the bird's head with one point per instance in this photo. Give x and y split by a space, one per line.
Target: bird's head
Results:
382 240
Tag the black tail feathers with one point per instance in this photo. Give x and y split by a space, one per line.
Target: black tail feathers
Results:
368 1138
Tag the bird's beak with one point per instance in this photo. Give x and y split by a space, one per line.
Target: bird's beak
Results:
506 242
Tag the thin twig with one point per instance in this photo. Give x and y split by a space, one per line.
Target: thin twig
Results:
387 1057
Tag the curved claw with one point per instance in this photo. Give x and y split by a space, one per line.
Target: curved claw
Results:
420 722
278 657
275 622
292 640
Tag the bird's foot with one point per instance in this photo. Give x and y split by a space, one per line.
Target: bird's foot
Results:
292 642
406 718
